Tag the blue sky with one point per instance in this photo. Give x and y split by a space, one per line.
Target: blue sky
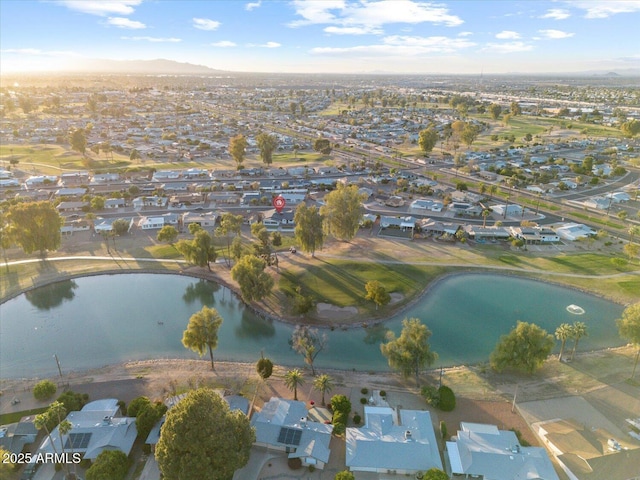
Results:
341 36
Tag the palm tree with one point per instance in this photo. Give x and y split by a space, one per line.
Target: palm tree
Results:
563 333
293 379
324 384
579 331
485 213
633 231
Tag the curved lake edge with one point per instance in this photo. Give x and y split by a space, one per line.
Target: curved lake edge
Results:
357 320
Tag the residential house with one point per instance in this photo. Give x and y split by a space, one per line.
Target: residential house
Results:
204 219
14 437
72 179
483 451
401 223
70 192
278 221
71 206
113 203
283 425
511 210
151 223
396 442
534 235
483 234
94 429
574 231
589 453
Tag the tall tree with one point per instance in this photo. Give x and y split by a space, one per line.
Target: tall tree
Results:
495 110
202 438
202 332
308 342
230 224
35 226
6 236
342 212
309 231
254 282
525 348
377 293
264 367
324 384
267 145
630 128
237 147
629 329
293 379
78 140
168 234
578 330
200 251
410 352
563 333
469 134
109 465
515 109
427 139
322 145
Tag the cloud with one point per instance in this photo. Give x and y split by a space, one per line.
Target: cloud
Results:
555 34
465 34
253 5
122 22
36 52
556 14
353 31
153 39
100 7
606 8
509 47
508 35
371 15
205 24
264 45
223 44
400 46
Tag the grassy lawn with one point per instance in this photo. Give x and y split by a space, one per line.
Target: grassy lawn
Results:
14 417
341 282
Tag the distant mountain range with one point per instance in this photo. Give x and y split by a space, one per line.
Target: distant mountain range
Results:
144 67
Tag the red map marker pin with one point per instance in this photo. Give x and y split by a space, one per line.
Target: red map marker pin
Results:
279 203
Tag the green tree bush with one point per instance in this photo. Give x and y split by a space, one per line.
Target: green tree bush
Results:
109 465
447 399
44 390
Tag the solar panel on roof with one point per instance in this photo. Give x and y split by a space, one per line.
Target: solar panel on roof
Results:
289 436
78 440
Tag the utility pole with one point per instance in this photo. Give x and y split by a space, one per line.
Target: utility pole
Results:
513 405
55 355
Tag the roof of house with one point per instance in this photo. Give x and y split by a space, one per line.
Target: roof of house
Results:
481 449
386 443
95 429
284 423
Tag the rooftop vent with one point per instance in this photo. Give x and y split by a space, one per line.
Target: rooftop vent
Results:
408 436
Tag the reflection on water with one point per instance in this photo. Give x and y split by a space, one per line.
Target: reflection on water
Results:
201 291
100 320
252 326
51 296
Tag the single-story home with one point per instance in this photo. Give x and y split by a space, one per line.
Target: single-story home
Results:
204 219
94 429
483 451
276 221
589 453
574 231
511 210
482 234
396 442
111 203
283 425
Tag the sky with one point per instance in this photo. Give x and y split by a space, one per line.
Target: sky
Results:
330 36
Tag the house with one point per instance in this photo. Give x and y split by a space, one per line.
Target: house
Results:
394 201
204 219
105 177
508 210
14 437
534 235
425 204
72 206
589 453
283 425
598 203
618 197
76 178
481 234
94 429
401 223
483 451
277 221
398 442
70 192
112 203
574 231
151 223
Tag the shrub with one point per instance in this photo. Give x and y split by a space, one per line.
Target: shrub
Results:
344 475
357 419
431 395
363 401
521 440
443 430
364 391
383 393
137 405
111 464
447 399
73 402
44 390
